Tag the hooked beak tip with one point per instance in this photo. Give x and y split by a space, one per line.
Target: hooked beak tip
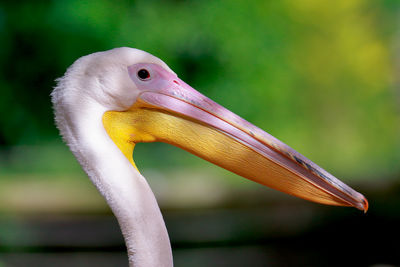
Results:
362 205
365 205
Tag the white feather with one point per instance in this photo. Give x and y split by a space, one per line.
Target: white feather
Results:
93 85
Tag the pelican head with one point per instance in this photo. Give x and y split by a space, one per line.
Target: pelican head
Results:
109 101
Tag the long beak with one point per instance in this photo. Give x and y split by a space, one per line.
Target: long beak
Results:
173 112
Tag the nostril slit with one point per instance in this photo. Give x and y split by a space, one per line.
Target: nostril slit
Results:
175 81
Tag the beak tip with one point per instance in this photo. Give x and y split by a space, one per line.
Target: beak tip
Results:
366 205
363 205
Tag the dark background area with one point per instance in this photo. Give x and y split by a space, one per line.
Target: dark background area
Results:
321 76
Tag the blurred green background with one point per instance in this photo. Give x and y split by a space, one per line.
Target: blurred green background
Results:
322 76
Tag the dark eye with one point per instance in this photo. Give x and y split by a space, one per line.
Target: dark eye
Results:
143 74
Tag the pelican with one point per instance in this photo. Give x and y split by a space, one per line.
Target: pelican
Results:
109 101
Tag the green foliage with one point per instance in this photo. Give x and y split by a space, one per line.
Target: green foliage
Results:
318 75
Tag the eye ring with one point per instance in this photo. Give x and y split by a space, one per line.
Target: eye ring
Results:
143 74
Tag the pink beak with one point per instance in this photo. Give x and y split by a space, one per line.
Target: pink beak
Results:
245 149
